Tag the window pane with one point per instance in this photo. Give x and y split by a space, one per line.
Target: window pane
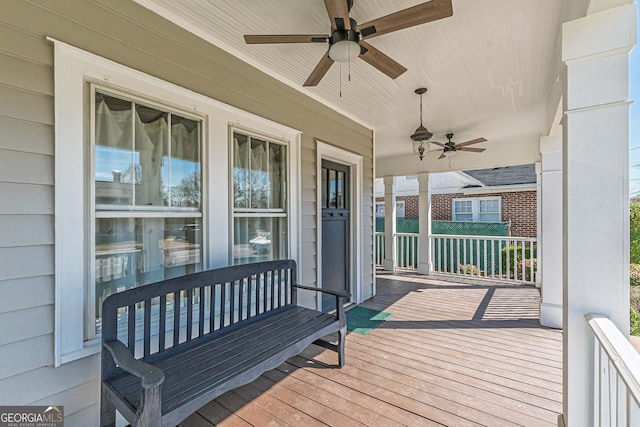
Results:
340 190
240 171
463 206
399 209
380 210
131 252
115 174
489 206
463 217
260 188
259 239
151 145
324 187
278 175
183 185
333 194
489 217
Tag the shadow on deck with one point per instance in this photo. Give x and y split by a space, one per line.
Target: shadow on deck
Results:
454 353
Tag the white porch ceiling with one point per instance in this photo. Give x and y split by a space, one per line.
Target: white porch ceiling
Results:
489 68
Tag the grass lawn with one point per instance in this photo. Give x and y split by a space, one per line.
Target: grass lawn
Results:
635 310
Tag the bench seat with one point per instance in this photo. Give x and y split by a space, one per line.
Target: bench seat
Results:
209 368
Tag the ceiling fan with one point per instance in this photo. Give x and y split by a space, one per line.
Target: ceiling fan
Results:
450 148
347 39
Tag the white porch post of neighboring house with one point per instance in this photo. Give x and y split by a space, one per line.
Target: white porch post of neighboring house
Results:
424 224
595 179
390 256
550 232
538 166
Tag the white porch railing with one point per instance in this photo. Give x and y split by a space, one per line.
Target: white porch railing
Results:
379 235
407 250
504 258
616 385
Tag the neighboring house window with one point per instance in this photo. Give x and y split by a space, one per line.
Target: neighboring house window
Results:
477 209
147 167
399 209
260 221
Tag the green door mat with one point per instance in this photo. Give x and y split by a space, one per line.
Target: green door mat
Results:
363 320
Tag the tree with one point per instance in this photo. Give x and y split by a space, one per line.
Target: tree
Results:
187 192
634 231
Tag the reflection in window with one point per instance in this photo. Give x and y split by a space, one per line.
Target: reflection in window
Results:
148 219
135 165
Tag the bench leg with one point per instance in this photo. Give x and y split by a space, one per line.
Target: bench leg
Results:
150 414
107 412
342 337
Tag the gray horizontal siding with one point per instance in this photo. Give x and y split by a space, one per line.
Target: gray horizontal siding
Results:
124 32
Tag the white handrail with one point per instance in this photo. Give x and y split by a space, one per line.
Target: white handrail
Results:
616 367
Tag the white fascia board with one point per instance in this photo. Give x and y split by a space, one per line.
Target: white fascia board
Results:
500 189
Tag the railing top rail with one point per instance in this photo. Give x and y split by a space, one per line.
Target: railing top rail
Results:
406 234
619 350
379 233
459 236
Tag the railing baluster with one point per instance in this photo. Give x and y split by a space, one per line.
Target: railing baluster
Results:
189 313
223 301
201 311
147 328
176 318
212 309
131 330
162 328
478 258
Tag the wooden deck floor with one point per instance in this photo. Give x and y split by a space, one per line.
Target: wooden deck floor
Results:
452 354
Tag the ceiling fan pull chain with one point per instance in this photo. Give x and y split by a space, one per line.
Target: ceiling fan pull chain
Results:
340 79
349 63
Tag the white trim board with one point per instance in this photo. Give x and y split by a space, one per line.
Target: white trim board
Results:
329 152
74 70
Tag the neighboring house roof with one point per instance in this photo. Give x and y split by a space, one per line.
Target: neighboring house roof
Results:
454 182
510 175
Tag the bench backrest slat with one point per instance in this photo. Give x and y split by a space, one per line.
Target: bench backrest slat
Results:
162 316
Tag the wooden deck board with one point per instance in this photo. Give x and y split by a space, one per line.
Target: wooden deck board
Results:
455 352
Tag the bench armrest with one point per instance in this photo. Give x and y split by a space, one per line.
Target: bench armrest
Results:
151 376
326 291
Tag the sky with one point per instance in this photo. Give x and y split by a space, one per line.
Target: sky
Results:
634 131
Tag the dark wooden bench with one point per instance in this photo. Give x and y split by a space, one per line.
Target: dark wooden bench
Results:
170 347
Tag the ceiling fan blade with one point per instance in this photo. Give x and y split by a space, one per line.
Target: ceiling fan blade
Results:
473 150
442 156
473 141
416 15
286 38
381 61
440 144
338 14
321 69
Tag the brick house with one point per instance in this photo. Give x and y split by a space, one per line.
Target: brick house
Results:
506 194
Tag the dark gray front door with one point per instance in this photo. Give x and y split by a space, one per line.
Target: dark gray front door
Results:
335 230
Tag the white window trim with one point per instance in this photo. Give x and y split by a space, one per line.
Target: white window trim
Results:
74 69
475 207
335 154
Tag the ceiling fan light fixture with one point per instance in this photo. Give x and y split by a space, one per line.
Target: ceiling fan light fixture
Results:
344 45
344 51
449 153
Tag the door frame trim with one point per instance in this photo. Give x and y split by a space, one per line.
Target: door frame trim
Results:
326 151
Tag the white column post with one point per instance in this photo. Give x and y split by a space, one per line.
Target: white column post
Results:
595 180
550 232
539 253
390 254
424 224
